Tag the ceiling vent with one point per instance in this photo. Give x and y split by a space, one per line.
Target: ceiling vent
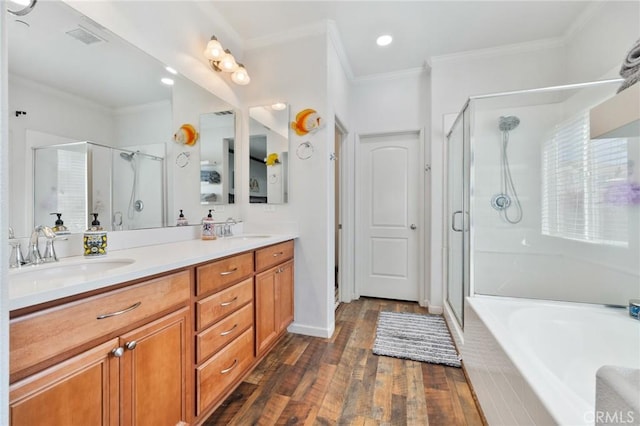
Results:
223 112
84 35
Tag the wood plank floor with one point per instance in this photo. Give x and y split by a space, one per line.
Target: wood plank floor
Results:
314 381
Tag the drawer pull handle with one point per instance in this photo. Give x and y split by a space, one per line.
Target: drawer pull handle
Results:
280 253
226 333
228 272
124 311
234 365
230 302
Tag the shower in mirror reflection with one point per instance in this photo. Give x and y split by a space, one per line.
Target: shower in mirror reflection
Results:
507 198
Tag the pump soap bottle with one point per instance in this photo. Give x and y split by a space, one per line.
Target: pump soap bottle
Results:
182 221
59 227
208 228
95 239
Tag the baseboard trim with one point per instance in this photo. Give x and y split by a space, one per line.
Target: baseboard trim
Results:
309 330
435 309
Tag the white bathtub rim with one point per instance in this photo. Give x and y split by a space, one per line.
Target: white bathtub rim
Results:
565 408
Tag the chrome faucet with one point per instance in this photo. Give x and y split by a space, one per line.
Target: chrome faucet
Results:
49 252
227 231
16 260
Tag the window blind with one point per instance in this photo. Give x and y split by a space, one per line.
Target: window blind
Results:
578 177
72 192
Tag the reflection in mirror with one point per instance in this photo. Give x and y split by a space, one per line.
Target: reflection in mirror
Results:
76 180
217 160
86 93
269 154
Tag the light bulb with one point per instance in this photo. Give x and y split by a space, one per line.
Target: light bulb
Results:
214 50
228 62
240 76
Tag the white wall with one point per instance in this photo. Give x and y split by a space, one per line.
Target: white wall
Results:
399 102
295 71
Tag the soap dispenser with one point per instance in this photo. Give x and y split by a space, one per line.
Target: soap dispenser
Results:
59 227
95 239
182 221
208 227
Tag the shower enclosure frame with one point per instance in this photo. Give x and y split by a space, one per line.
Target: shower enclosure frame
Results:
89 175
466 118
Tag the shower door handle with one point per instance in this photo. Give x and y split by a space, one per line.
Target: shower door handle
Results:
453 221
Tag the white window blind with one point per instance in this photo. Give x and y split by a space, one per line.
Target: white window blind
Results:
578 176
72 190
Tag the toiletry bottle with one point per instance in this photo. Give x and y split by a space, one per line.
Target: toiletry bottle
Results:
59 227
182 221
208 228
95 239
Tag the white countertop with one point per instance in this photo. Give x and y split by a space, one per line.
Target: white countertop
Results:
147 261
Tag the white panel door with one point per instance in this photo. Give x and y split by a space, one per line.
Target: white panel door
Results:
387 216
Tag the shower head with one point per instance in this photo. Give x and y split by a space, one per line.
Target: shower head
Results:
127 155
508 123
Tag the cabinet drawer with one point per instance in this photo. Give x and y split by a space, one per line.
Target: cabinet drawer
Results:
39 336
216 275
219 305
216 375
273 255
215 337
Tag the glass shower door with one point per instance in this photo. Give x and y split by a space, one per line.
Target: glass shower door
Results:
458 207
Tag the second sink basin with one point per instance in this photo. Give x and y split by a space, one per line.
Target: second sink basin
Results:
53 271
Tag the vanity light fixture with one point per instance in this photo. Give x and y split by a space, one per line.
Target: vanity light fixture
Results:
171 70
278 106
167 81
222 60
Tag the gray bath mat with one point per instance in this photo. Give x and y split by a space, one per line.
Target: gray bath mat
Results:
415 336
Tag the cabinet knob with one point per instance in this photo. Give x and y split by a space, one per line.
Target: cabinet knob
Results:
131 345
118 352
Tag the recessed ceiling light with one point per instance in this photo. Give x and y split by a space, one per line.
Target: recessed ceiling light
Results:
167 81
171 70
384 40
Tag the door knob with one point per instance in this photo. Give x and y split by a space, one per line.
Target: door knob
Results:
118 352
413 226
131 345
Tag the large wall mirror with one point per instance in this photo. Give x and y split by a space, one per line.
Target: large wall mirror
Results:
269 154
73 81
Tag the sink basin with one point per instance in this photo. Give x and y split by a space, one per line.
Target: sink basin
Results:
248 237
54 271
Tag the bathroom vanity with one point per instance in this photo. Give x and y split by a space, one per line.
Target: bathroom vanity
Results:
147 343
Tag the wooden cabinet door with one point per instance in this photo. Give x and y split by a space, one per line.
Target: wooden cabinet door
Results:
266 323
155 366
82 390
284 295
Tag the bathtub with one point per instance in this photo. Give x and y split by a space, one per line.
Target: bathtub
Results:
535 362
